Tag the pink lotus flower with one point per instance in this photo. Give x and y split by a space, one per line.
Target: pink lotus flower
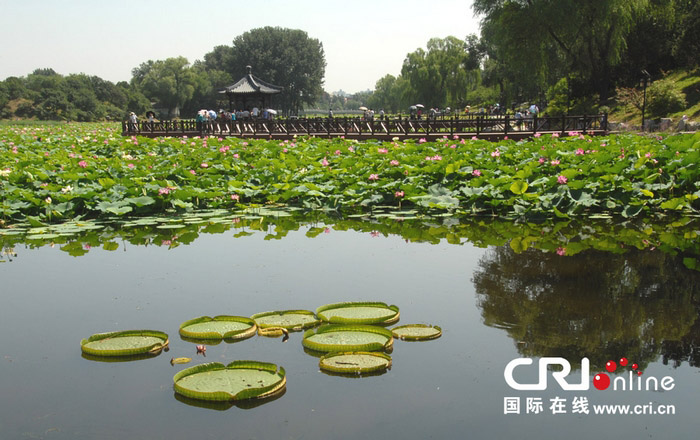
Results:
562 180
495 153
131 165
204 165
474 138
580 152
555 135
394 163
555 162
235 197
382 151
422 141
337 152
193 172
541 160
476 173
399 194
201 349
374 177
561 250
350 149
324 162
538 135
82 164
163 191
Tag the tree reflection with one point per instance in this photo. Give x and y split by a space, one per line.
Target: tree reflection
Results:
594 304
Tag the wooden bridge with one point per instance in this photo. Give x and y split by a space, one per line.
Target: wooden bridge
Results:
483 127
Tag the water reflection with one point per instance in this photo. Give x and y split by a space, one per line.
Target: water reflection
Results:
223 406
600 305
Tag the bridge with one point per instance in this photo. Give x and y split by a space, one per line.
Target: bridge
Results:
482 127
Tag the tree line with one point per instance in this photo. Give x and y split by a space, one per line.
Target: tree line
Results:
567 56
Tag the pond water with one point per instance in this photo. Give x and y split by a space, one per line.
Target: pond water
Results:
494 304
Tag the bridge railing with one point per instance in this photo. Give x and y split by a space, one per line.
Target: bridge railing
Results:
470 125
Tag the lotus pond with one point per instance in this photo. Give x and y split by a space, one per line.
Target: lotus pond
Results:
534 260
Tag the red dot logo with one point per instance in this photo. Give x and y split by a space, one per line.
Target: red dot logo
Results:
601 381
639 373
635 366
623 362
611 366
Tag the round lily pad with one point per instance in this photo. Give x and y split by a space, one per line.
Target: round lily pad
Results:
289 319
359 313
355 362
239 380
332 338
125 343
417 332
218 327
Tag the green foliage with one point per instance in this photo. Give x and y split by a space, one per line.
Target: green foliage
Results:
46 95
281 56
664 97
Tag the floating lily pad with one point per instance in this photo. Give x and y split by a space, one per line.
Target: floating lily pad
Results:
359 313
125 343
238 380
218 327
355 362
289 319
332 337
416 332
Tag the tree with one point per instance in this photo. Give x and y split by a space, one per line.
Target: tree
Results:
169 82
585 37
444 74
281 56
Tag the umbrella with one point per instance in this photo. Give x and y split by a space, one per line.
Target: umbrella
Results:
271 111
413 107
363 108
420 105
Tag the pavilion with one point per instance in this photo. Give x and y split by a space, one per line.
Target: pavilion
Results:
250 91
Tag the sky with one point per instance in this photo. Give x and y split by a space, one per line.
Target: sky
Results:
363 40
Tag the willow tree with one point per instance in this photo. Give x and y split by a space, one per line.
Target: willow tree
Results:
170 82
443 74
586 37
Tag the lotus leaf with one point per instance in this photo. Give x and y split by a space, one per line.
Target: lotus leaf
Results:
417 332
355 362
289 319
359 313
218 327
125 343
238 380
334 337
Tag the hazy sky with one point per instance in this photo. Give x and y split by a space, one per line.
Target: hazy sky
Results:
363 40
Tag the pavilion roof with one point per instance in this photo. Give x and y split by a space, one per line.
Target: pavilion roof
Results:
250 84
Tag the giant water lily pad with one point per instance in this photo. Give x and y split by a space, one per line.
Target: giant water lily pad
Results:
355 362
417 332
359 313
238 380
332 338
125 343
288 319
218 327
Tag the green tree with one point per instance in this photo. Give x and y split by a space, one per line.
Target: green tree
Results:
281 56
169 82
586 37
443 75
